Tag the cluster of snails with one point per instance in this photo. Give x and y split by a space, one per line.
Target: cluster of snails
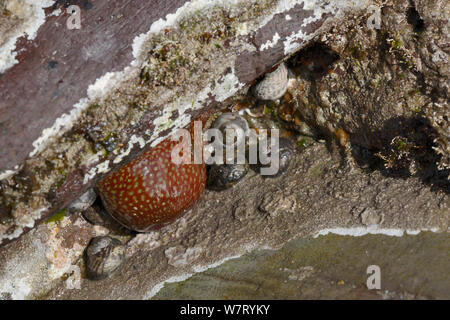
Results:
151 191
272 87
225 175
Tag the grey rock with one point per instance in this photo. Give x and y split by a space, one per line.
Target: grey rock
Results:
370 217
381 76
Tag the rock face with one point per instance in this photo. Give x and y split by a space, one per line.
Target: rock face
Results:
104 99
328 267
378 97
317 193
388 90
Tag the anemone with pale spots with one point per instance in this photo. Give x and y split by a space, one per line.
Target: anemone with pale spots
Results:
151 190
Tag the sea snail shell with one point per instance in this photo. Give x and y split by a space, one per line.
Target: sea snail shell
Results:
232 121
103 256
224 176
273 85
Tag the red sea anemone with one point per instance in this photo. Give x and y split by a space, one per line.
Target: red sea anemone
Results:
151 190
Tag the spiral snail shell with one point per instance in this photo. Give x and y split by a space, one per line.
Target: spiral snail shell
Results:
103 256
232 121
286 150
273 85
224 176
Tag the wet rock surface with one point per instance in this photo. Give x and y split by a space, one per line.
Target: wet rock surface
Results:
328 267
326 194
385 88
376 99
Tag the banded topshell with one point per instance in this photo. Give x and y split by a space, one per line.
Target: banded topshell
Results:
274 84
